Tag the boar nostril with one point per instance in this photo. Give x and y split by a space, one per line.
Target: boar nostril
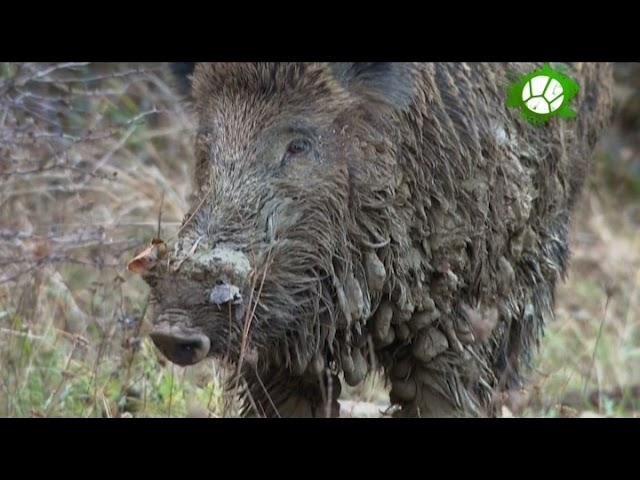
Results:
181 349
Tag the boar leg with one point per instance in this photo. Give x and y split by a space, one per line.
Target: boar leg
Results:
419 393
278 393
437 375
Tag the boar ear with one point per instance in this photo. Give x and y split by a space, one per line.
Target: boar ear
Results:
391 82
182 72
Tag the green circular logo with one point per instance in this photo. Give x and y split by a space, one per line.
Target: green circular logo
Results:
543 94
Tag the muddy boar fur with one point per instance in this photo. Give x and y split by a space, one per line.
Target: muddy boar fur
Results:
422 235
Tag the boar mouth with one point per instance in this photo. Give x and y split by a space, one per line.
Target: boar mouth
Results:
178 345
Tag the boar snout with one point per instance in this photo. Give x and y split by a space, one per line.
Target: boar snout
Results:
193 291
180 347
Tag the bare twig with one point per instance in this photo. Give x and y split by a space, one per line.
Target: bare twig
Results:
595 346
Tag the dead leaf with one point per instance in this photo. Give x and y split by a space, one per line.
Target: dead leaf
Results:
148 258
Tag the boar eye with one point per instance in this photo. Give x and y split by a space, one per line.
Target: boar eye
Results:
298 146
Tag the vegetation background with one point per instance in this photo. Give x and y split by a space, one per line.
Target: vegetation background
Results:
90 154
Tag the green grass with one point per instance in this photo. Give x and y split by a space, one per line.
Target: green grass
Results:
50 374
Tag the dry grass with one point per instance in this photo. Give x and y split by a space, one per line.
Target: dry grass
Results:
590 359
88 153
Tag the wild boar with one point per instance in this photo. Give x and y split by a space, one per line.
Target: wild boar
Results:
360 217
